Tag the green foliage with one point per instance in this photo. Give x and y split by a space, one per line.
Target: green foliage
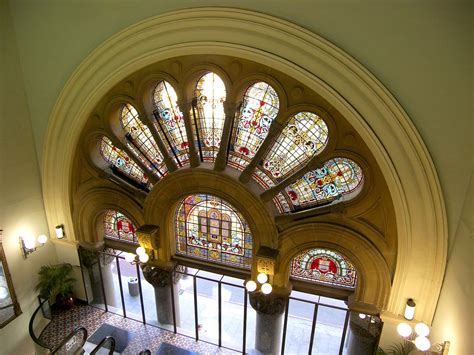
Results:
404 348
55 280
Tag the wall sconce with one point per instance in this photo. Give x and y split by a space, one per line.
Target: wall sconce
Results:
420 338
141 256
29 244
262 279
410 309
59 229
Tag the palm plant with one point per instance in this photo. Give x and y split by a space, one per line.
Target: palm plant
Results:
55 280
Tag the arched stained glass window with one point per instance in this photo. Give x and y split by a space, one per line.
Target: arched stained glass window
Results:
304 136
141 141
208 113
170 121
121 163
338 177
209 228
324 266
118 226
259 108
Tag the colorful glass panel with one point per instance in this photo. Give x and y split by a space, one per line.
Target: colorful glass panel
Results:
338 177
304 136
209 228
324 266
170 121
142 141
208 113
258 110
120 160
118 226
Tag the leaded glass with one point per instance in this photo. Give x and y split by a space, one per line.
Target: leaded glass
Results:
170 121
118 226
208 113
324 266
141 139
258 110
305 135
338 177
122 162
209 228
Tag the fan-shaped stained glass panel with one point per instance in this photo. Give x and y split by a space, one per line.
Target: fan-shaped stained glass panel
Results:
208 113
304 136
121 162
118 226
170 121
140 138
258 110
324 266
209 228
337 178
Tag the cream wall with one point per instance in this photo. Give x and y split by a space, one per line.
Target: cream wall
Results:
421 51
21 201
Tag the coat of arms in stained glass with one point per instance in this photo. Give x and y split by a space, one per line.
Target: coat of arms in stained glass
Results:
324 266
118 226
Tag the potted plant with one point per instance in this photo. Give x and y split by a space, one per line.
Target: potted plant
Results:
56 283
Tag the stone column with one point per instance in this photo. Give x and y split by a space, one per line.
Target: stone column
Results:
108 280
363 334
163 280
268 329
92 277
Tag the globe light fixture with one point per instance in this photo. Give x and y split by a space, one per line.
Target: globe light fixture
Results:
422 343
42 239
143 258
262 278
404 329
141 251
422 329
28 243
362 315
266 288
251 285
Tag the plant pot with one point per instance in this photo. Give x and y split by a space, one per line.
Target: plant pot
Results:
65 302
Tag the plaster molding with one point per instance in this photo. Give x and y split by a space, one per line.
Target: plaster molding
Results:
374 113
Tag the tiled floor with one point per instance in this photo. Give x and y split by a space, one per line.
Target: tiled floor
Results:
146 336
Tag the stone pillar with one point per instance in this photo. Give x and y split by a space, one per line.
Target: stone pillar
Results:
108 280
163 280
268 329
363 334
91 261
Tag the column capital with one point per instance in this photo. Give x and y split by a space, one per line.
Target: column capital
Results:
159 277
274 303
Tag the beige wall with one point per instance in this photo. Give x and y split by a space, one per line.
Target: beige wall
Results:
21 202
421 51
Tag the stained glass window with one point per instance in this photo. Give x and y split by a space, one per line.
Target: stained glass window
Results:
208 114
305 135
337 178
117 226
142 141
209 228
170 121
324 266
258 110
122 163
